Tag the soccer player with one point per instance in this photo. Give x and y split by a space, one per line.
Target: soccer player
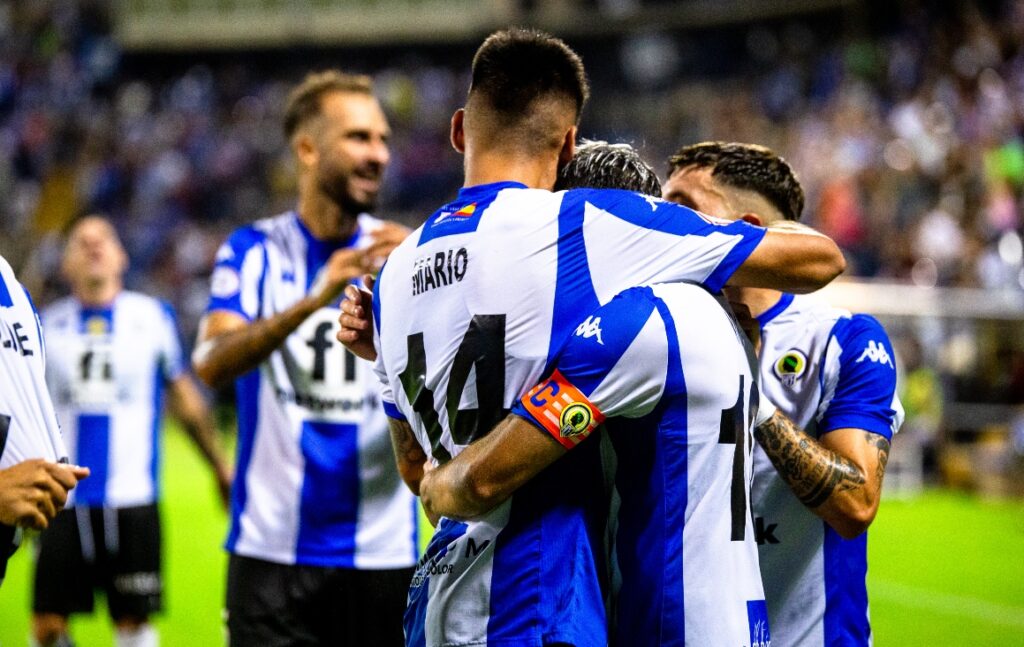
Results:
34 485
471 307
323 532
112 354
832 373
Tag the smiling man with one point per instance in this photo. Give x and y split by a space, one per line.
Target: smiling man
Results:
322 536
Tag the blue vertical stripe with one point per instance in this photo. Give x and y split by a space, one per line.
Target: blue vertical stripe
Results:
247 391
5 294
158 409
329 503
574 290
93 451
415 618
846 596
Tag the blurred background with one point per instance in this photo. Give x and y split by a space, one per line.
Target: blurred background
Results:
903 119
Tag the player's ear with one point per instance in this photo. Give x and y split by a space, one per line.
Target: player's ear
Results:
458 133
568 147
753 219
305 150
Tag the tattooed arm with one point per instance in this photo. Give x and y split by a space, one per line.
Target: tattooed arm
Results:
409 456
839 477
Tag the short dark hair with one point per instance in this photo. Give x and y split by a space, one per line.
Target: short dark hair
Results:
746 166
515 67
600 165
304 101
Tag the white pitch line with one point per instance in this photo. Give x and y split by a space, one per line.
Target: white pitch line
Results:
957 605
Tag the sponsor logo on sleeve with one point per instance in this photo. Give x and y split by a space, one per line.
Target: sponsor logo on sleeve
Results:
562 410
876 352
791 366
224 282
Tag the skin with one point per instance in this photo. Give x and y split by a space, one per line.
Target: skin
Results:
839 476
341 155
94 264
34 491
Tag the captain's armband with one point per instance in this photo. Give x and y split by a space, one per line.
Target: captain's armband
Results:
562 410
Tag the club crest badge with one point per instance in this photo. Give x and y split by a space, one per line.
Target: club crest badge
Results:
791 366
575 420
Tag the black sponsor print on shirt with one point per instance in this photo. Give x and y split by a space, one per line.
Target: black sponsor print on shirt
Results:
439 269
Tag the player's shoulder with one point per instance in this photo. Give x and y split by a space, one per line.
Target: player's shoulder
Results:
861 336
251 235
145 304
58 311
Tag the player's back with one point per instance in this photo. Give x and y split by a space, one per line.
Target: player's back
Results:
685 545
470 310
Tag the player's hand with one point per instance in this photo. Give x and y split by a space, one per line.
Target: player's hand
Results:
433 517
356 320
343 266
34 491
385 239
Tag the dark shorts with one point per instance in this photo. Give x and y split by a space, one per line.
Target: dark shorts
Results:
279 605
113 549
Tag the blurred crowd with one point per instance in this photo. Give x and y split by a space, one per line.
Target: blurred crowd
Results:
904 121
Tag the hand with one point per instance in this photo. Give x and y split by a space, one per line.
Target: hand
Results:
385 239
357 320
343 266
34 491
432 517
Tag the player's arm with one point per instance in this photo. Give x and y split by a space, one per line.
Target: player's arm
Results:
489 470
589 383
230 344
186 404
839 477
32 492
409 456
791 257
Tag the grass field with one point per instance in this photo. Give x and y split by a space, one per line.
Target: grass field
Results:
945 569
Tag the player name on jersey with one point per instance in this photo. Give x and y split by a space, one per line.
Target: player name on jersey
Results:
440 269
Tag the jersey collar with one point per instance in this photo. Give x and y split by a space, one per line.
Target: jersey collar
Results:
470 193
771 313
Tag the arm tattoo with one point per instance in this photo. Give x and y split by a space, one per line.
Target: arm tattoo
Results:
403 441
882 445
813 472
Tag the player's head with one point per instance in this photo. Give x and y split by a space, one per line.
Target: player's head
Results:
339 134
93 254
527 92
600 165
733 181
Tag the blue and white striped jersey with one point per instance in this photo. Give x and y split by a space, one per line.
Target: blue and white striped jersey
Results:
107 369
28 423
470 309
316 480
670 371
826 369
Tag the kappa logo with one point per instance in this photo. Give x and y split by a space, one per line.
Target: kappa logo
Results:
591 327
876 353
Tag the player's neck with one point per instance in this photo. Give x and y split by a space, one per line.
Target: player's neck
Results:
98 294
324 218
760 300
488 167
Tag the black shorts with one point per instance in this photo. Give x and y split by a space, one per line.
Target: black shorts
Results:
113 549
279 605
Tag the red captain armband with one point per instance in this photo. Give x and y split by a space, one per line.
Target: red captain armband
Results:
562 410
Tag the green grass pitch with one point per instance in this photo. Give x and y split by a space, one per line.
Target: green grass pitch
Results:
945 569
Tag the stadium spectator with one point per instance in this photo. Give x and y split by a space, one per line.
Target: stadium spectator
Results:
830 372
323 532
112 353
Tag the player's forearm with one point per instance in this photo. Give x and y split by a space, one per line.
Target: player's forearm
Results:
793 258
229 355
409 456
449 491
831 485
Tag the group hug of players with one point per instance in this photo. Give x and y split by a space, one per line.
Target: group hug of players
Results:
574 368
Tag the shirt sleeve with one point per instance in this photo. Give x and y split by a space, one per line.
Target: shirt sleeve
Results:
655 241
238 274
170 344
387 396
859 380
613 365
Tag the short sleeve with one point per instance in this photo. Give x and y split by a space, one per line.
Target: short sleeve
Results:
614 364
859 379
387 396
170 344
654 241
238 273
